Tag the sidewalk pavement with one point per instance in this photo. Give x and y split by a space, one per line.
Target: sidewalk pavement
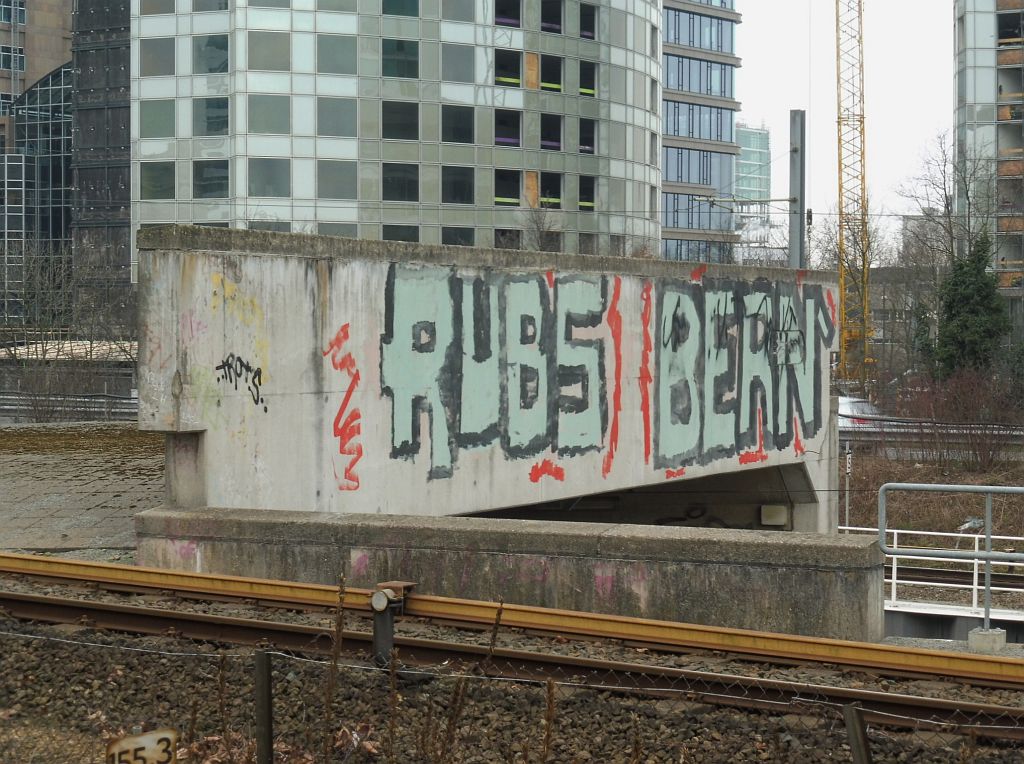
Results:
74 488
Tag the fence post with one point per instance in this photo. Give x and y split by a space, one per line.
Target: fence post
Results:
264 709
857 733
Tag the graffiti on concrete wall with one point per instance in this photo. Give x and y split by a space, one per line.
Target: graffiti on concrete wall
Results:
348 420
235 370
533 365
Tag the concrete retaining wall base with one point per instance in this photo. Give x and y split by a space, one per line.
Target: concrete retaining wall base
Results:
797 583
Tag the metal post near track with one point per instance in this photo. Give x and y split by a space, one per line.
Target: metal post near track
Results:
988 561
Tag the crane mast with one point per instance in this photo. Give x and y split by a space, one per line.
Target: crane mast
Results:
853 234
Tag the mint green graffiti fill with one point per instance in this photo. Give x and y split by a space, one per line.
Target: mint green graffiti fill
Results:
579 430
755 359
677 388
412 362
526 394
719 341
480 379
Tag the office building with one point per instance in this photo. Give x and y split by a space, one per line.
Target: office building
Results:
990 124
699 139
513 123
33 42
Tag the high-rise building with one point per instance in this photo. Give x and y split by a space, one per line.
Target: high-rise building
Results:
699 141
753 186
516 123
990 125
101 156
33 42
36 177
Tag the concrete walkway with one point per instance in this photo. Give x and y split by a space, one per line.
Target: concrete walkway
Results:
74 488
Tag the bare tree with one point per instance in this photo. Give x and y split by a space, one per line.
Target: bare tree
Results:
541 231
954 196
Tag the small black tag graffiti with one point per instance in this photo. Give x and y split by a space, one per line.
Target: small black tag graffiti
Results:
235 369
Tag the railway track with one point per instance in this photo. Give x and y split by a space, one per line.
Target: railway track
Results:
921 575
989 721
663 636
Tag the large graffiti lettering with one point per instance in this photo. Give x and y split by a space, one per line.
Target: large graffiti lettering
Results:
532 365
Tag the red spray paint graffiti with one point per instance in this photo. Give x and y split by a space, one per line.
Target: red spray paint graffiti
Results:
347 422
760 455
673 474
646 378
798 446
615 326
697 274
546 468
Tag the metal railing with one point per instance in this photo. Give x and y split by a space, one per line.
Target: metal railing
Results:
987 556
974 541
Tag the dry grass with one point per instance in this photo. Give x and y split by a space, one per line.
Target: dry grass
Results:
926 511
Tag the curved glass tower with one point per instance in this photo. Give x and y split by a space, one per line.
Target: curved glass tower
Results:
510 123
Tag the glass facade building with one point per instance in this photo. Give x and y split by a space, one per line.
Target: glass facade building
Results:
513 123
37 190
698 154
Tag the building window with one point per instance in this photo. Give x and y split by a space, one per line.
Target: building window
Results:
210 54
588 135
654 148
457 124
507 127
156 57
270 177
506 187
270 3
588 78
457 185
270 51
17 9
549 241
400 182
336 179
156 180
209 116
617 245
210 179
336 117
337 6
698 76
551 132
508 13
146 8
458 63
652 205
508 68
458 236
207 6
551 190
587 195
551 16
400 58
409 233
689 120
588 244
551 73
588 21
277 226
400 120
270 114
335 54
508 238
458 10
348 230
156 118
400 7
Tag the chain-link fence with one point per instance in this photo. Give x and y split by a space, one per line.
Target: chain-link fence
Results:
66 691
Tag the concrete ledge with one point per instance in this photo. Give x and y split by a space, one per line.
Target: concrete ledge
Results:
828 586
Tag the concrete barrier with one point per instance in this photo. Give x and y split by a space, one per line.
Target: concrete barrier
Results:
309 373
797 583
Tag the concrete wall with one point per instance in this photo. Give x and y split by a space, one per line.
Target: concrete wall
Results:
796 583
309 373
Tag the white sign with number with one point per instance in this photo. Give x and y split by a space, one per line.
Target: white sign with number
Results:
159 747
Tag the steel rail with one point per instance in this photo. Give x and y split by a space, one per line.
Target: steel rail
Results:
881 708
664 635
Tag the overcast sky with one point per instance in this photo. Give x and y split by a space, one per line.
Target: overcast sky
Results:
788 52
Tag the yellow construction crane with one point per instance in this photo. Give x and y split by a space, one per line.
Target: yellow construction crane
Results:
853 239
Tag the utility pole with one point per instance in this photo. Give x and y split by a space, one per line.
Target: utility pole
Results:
797 188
